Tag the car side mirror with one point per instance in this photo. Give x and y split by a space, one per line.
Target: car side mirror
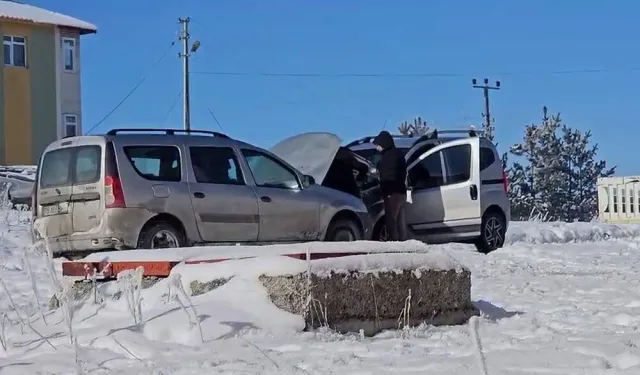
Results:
308 180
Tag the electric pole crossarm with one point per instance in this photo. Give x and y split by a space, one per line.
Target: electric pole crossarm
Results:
488 126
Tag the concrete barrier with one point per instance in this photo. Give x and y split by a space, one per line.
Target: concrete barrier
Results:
376 292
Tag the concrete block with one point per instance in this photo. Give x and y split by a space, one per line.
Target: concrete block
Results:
365 298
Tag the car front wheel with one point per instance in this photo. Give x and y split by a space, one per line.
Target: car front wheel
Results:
492 233
343 231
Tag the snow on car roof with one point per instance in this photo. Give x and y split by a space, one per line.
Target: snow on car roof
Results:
27 13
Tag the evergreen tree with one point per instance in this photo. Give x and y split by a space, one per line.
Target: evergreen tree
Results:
581 172
556 176
416 128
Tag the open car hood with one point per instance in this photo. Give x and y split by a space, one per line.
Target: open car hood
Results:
311 153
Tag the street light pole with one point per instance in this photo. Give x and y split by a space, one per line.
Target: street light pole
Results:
185 54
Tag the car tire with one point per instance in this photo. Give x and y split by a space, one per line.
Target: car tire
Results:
380 232
343 231
153 236
492 232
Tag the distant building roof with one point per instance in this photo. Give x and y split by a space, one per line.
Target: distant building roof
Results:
13 10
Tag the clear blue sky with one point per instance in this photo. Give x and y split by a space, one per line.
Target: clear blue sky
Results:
367 36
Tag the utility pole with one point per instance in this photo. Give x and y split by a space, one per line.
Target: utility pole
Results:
488 126
185 54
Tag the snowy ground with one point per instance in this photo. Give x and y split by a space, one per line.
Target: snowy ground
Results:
559 299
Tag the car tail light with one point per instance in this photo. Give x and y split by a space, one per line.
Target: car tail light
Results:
505 182
113 192
114 196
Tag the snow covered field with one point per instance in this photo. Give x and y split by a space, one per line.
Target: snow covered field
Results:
559 299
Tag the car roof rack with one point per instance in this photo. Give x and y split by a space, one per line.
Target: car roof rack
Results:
370 139
435 133
166 131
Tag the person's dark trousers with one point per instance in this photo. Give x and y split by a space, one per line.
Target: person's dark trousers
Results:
394 213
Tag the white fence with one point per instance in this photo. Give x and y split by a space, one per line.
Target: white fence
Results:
619 199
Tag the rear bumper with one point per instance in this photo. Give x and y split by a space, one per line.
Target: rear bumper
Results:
118 230
68 244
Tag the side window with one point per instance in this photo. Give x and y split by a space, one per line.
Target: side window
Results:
427 173
458 160
487 158
216 165
419 152
268 172
155 163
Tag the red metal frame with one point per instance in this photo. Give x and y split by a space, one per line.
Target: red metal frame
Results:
109 270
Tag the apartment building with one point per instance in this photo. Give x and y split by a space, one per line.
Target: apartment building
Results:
40 80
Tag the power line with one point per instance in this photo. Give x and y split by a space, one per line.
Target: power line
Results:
135 87
173 105
215 119
409 75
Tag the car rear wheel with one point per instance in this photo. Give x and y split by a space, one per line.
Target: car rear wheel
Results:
160 235
343 231
492 233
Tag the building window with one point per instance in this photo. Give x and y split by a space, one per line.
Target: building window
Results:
15 51
69 54
71 125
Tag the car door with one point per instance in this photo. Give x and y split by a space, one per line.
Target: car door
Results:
226 208
287 212
69 191
446 200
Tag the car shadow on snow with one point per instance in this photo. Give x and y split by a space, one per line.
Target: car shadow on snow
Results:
493 312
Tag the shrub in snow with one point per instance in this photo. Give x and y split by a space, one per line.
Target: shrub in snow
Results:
313 308
23 321
130 284
3 337
65 296
36 294
180 296
404 320
97 296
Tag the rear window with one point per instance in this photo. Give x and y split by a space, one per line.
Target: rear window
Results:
487 157
71 165
155 163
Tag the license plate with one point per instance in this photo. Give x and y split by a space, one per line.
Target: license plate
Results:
55 209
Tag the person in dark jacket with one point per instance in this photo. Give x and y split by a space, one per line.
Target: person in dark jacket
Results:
392 169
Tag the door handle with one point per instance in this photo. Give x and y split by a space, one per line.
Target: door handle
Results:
473 192
264 198
198 194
